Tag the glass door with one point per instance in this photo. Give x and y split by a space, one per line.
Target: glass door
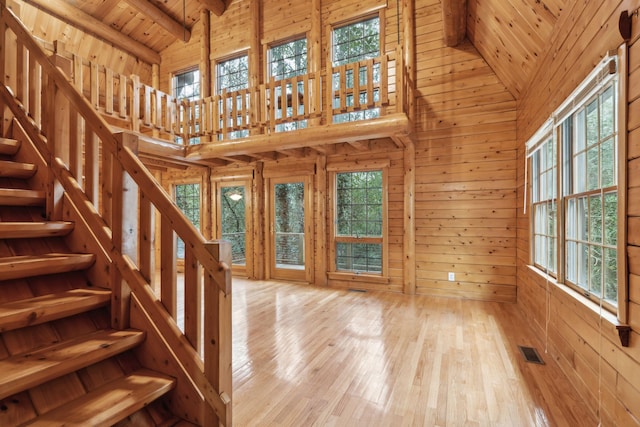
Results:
289 241
233 224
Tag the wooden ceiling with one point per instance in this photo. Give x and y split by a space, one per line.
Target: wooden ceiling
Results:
141 27
512 35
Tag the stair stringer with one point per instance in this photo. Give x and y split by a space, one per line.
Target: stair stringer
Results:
184 400
79 240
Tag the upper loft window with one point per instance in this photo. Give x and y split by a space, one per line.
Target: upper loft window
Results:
287 60
186 85
233 75
353 43
574 173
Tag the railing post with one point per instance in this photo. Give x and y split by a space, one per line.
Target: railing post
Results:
217 329
124 229
400 82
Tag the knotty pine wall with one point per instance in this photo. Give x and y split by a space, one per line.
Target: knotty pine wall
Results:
465 147
589 351
50 29
465 169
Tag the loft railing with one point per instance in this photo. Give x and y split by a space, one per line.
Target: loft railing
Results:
377 84
97 174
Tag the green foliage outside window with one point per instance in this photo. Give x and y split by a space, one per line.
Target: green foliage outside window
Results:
188 200
359 215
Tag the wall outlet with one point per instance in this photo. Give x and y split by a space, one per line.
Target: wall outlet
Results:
452 276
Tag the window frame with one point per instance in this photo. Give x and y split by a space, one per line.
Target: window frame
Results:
174 76
591 88
237 134
174 188
288 125
334 239
364 114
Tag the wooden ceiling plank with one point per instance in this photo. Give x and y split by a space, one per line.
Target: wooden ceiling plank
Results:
454 16
173 27
215 6
88 23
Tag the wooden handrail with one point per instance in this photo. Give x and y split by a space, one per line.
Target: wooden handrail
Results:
109 224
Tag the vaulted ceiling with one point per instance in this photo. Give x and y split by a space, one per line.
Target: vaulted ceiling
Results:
511 35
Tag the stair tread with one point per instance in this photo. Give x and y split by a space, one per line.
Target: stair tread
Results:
9 146
23 371
10 169
37 310
111 402
22 266
18 197
23 230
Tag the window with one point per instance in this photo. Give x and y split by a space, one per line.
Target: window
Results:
187 86
233 221
544 205
584 153
188 200
589 143
358 219
288 60
233 75
352 43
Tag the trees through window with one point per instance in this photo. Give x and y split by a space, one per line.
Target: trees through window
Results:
358 221
580 148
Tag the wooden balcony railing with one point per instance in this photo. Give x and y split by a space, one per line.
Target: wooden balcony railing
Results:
97 175
378 86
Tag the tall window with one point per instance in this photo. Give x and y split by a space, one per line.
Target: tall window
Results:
187 86
352 43
288 60
188 200
544 204
233 75
589 143
587 162
233 221
358 221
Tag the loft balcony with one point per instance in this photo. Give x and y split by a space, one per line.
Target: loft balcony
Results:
360 101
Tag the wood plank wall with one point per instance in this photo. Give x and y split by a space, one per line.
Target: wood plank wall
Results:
48 28
589 351
465 152
465 169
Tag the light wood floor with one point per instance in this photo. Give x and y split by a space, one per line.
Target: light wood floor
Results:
308 356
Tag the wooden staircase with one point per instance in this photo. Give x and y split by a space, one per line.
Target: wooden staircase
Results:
60 361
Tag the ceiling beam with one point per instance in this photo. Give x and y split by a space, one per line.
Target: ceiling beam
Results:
89 24
173 27
215 6
454 16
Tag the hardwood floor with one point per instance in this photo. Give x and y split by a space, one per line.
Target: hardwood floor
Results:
308 356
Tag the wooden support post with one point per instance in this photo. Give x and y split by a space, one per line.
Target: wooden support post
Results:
217 329
155 82
409 244
259 237
409 52
321 222
205 52
255 64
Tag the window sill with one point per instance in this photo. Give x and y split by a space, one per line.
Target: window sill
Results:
624 330
358 277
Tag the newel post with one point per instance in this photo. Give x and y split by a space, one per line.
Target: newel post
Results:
217 329
124 227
